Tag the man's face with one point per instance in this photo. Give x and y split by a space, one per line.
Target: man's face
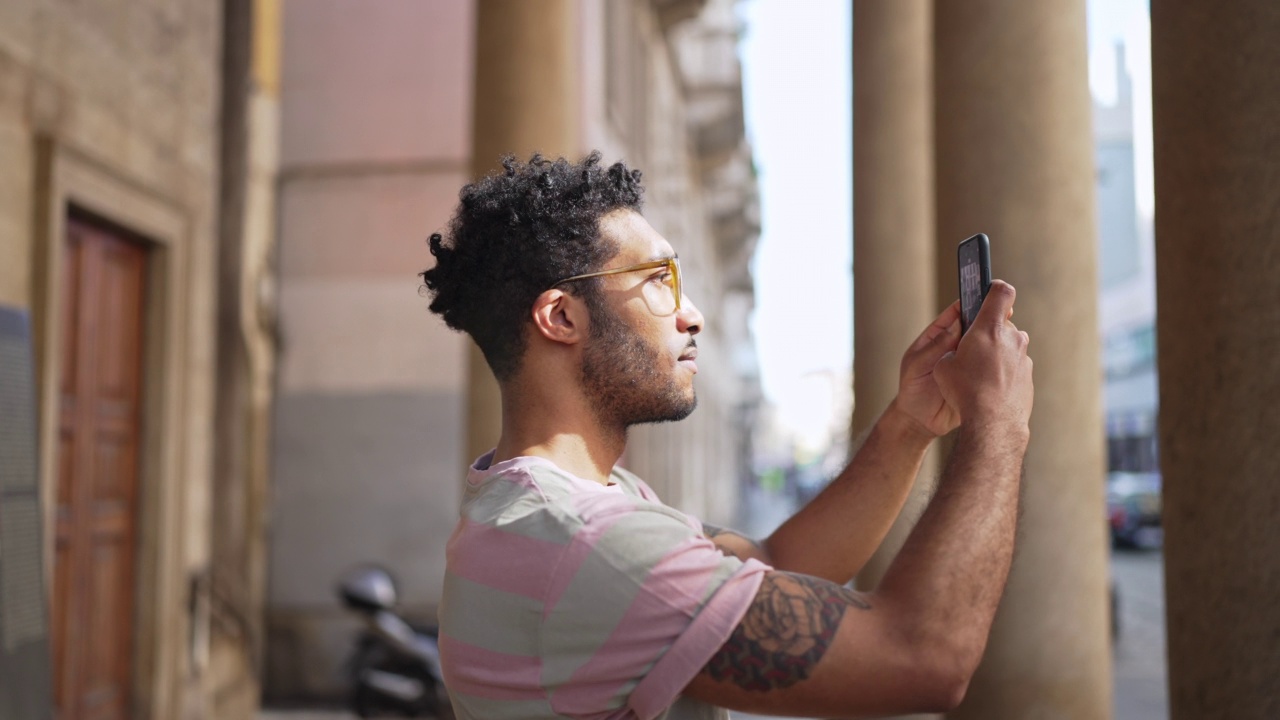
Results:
638 365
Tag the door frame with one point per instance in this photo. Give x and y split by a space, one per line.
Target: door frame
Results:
164 642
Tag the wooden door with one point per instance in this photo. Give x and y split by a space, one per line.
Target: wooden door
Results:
103 294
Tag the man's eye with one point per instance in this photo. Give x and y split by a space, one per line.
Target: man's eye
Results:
665 278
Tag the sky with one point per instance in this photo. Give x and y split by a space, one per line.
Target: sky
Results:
797 86
1127 22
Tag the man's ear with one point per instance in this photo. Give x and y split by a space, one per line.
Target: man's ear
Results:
560 317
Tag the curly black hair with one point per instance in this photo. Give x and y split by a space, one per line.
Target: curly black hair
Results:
515 234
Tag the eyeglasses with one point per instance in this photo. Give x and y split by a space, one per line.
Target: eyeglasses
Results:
661 303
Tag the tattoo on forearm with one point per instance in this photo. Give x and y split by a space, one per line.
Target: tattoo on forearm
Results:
786 631
711 532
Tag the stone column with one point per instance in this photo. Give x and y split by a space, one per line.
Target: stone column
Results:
526 101
1217 147
1015 160
893 218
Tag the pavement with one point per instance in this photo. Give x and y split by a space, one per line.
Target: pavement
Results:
340 715
1139 657
305 715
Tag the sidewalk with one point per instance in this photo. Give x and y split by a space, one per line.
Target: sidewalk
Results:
305 715
338 715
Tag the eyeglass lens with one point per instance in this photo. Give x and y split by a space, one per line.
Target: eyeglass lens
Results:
661 293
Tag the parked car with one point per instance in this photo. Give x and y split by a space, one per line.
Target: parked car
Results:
1134 509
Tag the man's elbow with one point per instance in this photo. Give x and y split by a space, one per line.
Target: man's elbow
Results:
949 675
951 694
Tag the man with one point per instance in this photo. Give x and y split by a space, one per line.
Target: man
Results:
571 590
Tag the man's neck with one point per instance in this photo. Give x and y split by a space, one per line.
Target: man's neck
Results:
561 430
571 453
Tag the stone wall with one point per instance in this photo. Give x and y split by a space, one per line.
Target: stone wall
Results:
113 106
376 107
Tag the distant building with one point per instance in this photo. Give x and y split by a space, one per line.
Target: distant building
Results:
1119 259
1126 274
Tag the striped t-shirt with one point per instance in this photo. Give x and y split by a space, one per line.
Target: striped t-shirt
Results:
564 597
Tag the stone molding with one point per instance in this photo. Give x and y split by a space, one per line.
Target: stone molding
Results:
166 646
671 13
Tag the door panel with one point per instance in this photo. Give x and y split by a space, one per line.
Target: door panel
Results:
103 295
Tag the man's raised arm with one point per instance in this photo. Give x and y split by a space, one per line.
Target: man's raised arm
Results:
833 536
811 647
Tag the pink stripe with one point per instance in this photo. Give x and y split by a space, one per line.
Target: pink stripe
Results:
484 673
506 561
695 646
601 503
661 611
583 543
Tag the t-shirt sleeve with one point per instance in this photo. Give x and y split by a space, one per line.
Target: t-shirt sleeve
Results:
637 605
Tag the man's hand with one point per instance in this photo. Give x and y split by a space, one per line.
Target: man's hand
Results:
919 398
987 380
734 544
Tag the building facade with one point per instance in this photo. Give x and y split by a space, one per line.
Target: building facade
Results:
135 223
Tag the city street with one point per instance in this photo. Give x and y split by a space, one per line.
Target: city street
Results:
1139 656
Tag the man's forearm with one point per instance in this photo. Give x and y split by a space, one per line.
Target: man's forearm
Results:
834 535
951 573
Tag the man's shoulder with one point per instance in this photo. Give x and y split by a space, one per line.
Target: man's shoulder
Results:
513 496
541 493
633 484
520 522
540 501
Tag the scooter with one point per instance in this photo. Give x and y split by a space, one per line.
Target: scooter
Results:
395 667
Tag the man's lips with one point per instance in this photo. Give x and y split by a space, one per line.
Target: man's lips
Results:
688 357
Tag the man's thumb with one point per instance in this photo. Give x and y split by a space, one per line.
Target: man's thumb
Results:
950 334
944 363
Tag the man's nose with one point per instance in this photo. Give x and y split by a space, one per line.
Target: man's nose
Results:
689 319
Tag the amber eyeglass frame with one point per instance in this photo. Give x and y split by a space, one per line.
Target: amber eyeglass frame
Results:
672 264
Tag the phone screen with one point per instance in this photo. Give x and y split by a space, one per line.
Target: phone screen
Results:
975 277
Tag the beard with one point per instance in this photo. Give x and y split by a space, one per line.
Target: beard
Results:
624 378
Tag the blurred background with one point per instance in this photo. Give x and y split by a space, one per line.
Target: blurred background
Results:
224 388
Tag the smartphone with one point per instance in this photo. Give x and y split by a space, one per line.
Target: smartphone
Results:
974 261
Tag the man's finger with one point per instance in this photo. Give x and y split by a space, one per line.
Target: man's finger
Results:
950 337
998 307
947 321
948 315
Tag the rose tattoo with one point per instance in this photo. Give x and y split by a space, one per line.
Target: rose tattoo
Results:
785 632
